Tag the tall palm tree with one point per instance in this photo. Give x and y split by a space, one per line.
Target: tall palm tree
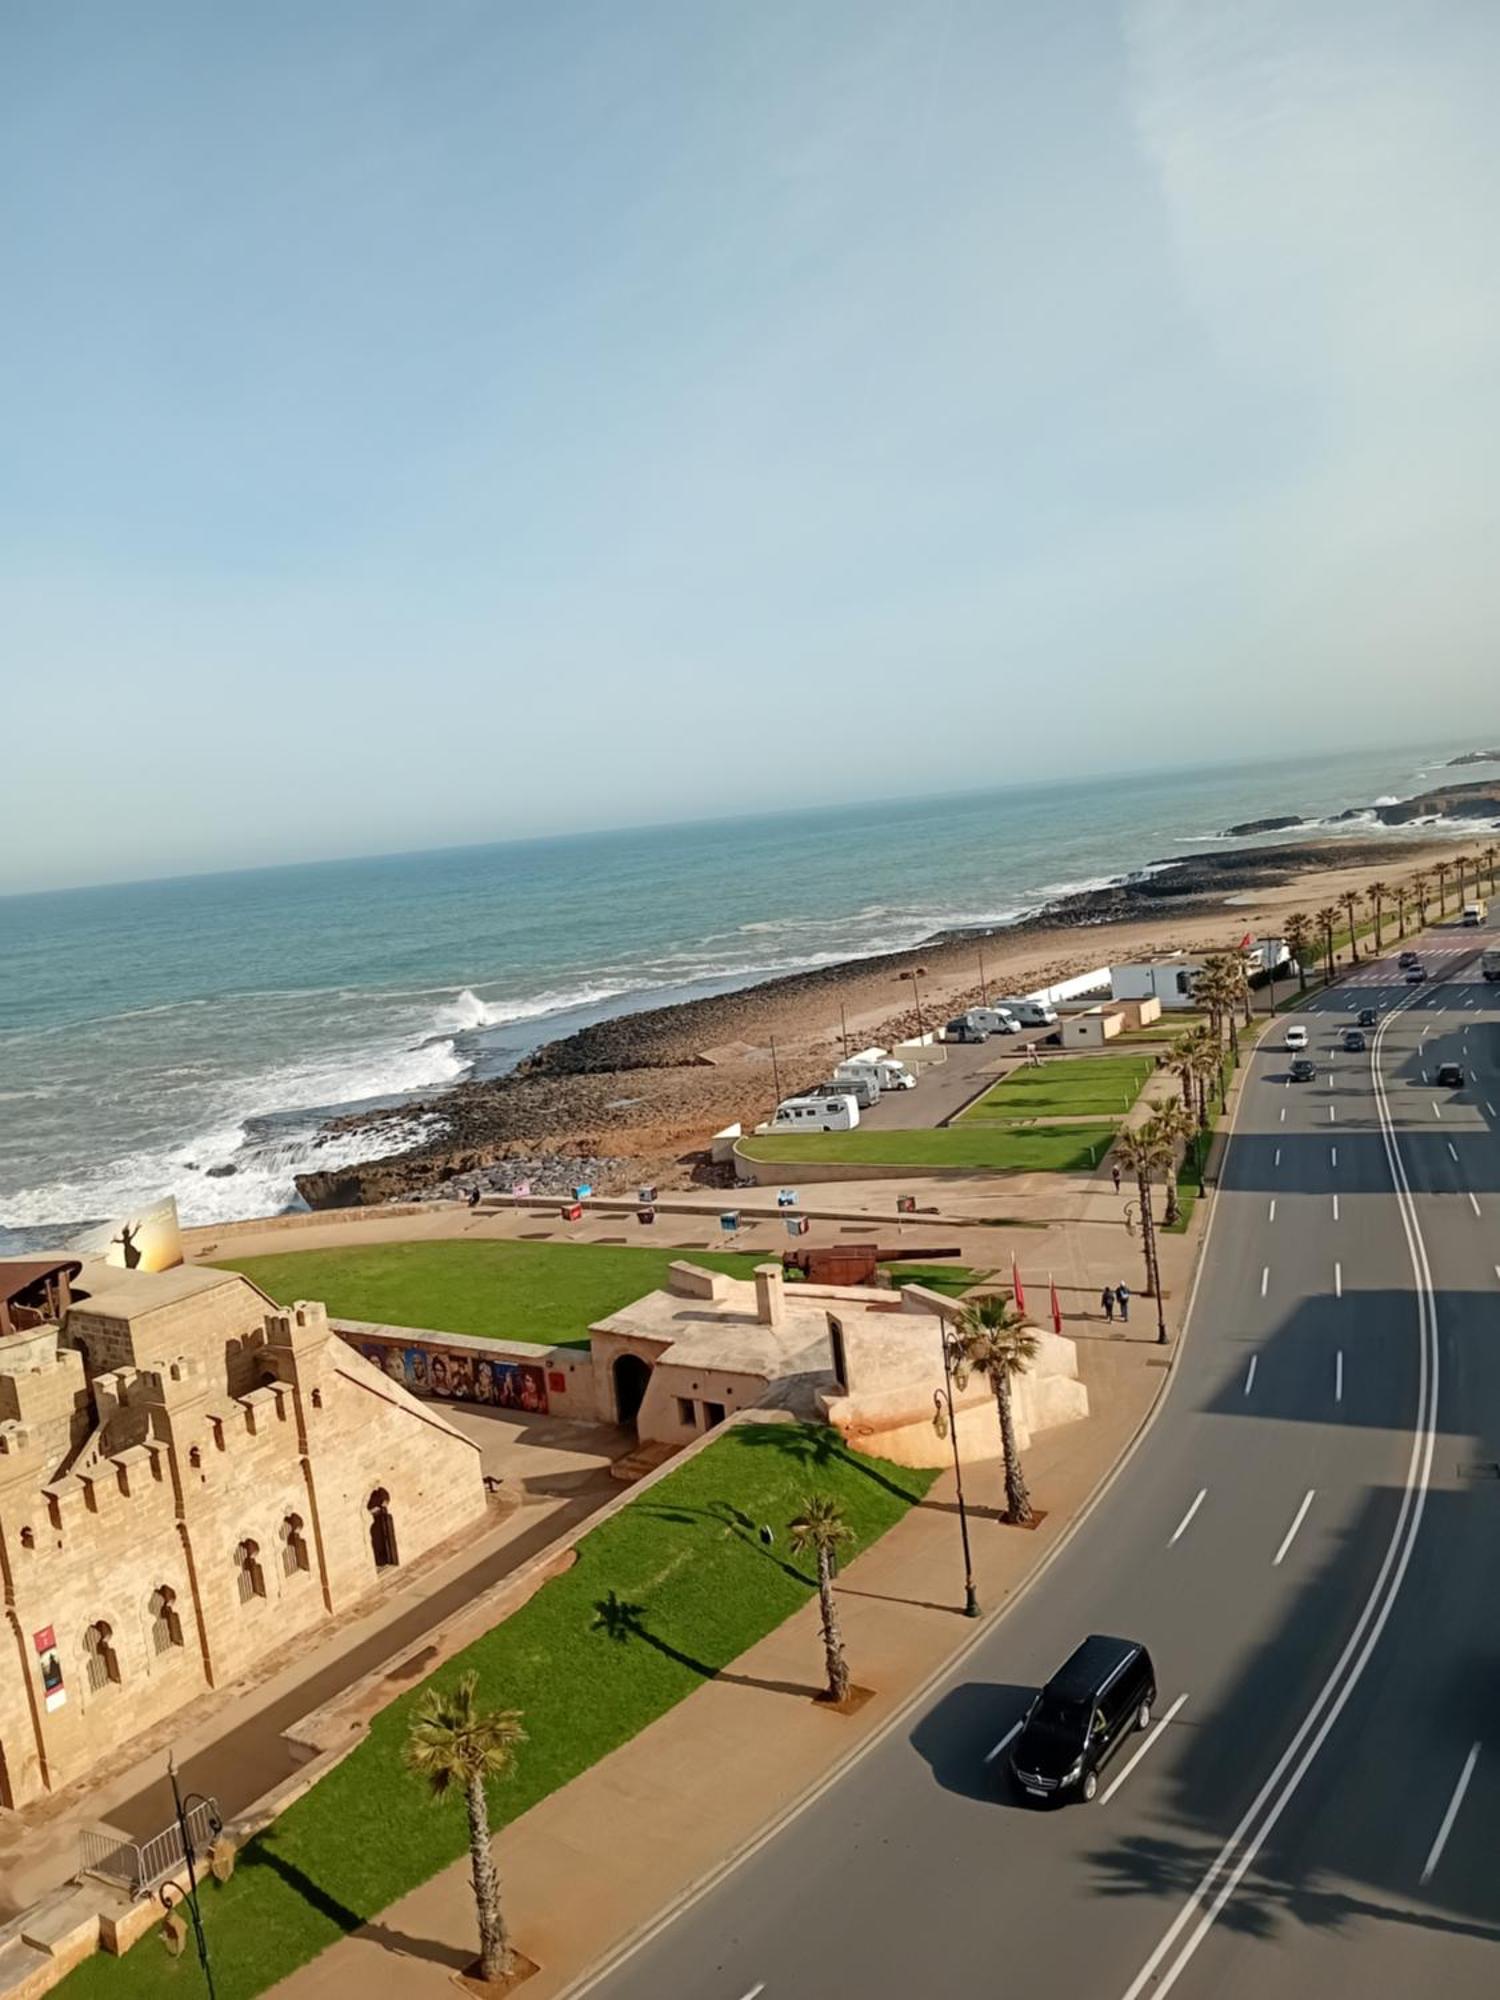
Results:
1182 1060
1144 1151
1177 1127
1491 855
1401 893
1377 895
1299 937
822 1528
1208 1071
1328 916
1461 863
1421 888
1440 869
1216 988
1350 901
456 1745
992 1339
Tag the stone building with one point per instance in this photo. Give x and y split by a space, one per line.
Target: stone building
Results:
189 1478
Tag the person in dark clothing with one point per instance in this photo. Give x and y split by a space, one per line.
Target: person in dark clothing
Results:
1107 1300
1114 1174
1122 1300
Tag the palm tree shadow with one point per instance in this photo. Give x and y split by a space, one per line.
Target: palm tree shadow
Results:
623 1622
260 1854
722 1515
815 1446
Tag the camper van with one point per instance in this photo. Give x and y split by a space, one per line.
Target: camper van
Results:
886 1072
1032 1013
995 1020
964 1028
814 1114
863 1089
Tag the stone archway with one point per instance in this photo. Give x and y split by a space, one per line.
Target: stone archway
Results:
631 1377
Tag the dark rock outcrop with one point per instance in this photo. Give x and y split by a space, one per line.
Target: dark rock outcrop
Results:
1473 757
1278 823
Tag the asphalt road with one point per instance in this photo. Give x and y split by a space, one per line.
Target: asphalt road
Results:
1309 1542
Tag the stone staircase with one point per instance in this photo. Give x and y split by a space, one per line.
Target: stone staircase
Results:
636 1464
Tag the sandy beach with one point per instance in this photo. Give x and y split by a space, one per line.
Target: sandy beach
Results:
647 1090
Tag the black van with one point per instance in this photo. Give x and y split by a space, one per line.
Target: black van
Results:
1082 1716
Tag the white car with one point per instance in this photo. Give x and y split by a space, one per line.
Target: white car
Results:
1296 1038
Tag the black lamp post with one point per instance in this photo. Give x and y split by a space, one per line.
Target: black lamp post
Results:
943 1406
169 1895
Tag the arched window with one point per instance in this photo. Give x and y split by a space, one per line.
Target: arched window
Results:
28 1538
382 1529
293 1546
100 1657
248 1572
166 1626
317 1399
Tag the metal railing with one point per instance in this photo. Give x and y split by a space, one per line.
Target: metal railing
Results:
139 1867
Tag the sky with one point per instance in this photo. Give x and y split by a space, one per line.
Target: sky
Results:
443 423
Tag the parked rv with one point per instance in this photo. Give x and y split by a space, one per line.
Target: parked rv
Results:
995 1020
963 1029
863 1089
1032 1013
886 1072
814 1114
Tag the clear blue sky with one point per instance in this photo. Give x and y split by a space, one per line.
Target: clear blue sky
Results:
427 423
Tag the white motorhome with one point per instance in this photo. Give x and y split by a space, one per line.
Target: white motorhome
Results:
863 1089
1474 913
884 1069
995 1020
1032 1013
814 1114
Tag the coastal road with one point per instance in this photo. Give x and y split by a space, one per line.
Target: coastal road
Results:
1308 1543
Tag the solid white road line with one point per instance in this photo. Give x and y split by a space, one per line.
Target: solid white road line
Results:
1289 1536
1250 1371
755 1992
1338 1281
1115 1785
1338 1376
1472 1202
1435 1854
1009 1737
1265 1278
1187 1517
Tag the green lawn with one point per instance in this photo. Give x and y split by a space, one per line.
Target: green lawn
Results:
1068 1087
692 1587
547 1292
952 1280
1061 1149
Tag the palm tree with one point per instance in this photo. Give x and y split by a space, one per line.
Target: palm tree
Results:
456 1745
1350 901
992 1339
1183 1059
1177 1127
1421 888
1216 989
1377 893
1143 1151
1401 909
1461 863
822 1528
1208 1071
1491 855
1328 916
1440 869
1299 937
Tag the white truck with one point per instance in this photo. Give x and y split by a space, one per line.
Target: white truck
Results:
814 1114
883 1069
1032 1013
1474 913
1489 964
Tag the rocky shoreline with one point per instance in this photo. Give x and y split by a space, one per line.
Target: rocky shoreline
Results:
1477 800
642 1090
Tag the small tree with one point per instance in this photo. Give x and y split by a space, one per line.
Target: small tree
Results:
1378 894
1401 895
822 1528
992 1339
1176 1127
1299 940
1143 1152
456 1745
1421 888
1328 917
1350 901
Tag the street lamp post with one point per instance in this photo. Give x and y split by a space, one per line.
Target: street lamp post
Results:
916 974
943 1406
169 1895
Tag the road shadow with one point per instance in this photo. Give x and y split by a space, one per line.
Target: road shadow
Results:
954 1737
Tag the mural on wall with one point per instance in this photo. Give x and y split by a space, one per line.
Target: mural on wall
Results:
147 1241
457 1376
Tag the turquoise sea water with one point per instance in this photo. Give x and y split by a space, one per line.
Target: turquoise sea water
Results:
154 1032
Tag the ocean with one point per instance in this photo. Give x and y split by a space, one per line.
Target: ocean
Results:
190 1036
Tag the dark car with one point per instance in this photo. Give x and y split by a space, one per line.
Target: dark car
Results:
1407 958
1451 1075
1086 1711
1368 1017
1354 1041
1415 974
1304 1069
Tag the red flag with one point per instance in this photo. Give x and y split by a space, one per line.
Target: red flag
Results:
1246 941
1017 1289
1056 1308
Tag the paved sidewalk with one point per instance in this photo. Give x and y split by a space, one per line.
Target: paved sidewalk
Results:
589 1865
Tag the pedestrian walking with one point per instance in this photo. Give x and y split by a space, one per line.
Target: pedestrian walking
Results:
1122 1300
1114 1174
1107 1300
